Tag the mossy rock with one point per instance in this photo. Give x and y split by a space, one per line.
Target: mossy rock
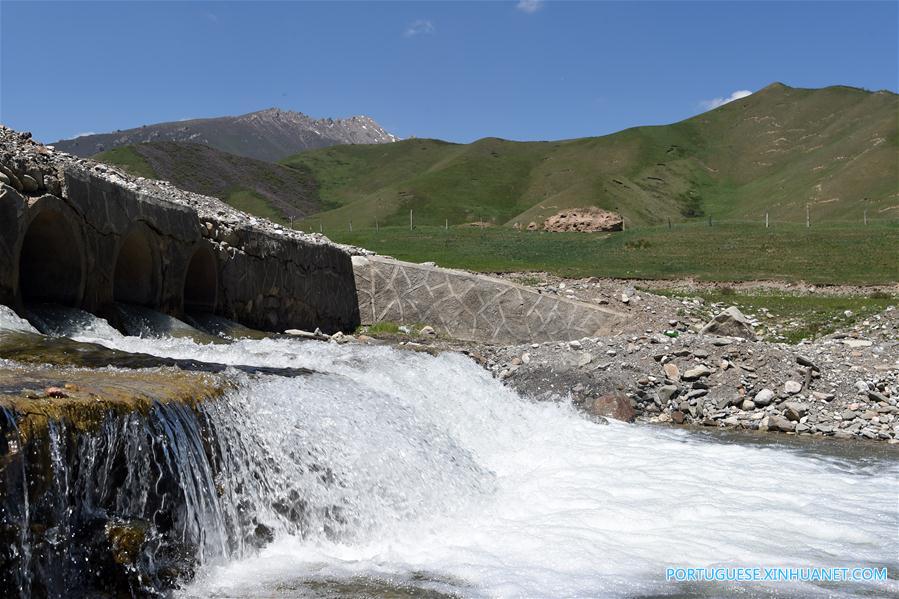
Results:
126 539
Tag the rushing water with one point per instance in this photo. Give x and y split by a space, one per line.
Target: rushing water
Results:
391 472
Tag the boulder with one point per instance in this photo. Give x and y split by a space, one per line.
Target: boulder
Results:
666 392
29 184
585 220
764 397
12 179
614 405
340 338
877 396
779 423
730 323
794 410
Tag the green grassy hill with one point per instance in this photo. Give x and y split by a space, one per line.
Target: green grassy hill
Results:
775 151
262 188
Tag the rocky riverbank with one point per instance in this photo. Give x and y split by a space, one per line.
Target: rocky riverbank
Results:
671 367
840 386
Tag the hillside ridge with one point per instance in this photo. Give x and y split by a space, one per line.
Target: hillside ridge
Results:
772 152
265 189
269 134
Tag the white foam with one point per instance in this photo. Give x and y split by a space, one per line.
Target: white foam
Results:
547 504
10 321
428 465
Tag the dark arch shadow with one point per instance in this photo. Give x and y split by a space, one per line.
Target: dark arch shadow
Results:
50 261
201 281
136 278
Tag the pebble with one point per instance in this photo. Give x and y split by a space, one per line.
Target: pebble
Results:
792 387
696 372
856 343
672 371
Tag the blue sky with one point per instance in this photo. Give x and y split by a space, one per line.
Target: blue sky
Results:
451 70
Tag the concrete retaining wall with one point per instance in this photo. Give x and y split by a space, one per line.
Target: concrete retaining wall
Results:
472 307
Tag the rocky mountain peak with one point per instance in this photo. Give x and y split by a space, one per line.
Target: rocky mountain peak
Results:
270 134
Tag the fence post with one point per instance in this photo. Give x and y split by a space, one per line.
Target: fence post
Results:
321 228
351 226
808 221
377 226
710 220
669 223
766 220
866 216
410 219
446 224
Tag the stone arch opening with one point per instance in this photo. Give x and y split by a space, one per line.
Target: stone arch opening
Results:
50 261
136 278
201 282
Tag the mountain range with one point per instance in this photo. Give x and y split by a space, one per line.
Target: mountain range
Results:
776 151
270 134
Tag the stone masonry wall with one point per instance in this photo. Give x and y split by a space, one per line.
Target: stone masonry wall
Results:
76 232
472 307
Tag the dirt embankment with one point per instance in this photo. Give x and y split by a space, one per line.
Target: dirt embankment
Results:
582 220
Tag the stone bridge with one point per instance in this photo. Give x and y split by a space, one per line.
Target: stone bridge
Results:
72 234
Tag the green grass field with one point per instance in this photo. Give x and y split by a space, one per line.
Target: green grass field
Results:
826 254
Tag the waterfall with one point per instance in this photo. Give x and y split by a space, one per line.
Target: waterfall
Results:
390 471
148 485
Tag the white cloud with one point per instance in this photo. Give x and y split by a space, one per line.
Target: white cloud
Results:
716 102
529 6
420 27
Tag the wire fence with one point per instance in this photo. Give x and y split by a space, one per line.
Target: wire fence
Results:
767 221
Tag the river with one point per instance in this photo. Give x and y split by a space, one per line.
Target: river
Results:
431 477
